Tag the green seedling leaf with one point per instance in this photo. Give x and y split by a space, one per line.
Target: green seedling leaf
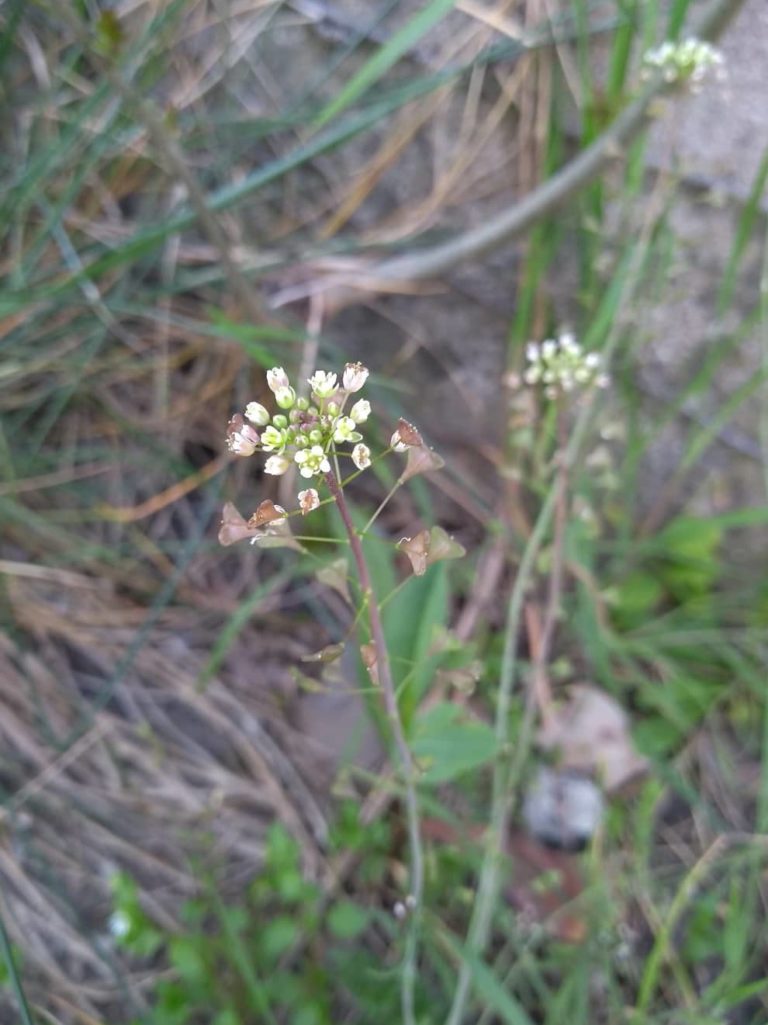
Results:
347 920
636 597
187 958
447 742
689 550
278 936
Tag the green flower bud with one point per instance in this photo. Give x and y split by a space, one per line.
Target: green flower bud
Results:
285 397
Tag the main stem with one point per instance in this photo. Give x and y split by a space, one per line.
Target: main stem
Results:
384 672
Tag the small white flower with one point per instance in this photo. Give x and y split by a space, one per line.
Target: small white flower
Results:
119 924
308 501
355 376
344 430
361 457
285 397
323 384
561 365
277 465
273 440
548 349
360 411
257 414
397 443
242 439
688 59
312 461
277 378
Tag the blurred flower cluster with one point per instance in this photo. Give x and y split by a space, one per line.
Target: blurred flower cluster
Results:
687 60
561 365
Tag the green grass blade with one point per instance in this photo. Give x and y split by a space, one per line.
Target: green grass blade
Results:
25 1013
747 224
401 42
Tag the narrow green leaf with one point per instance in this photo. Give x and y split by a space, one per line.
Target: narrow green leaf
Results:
400 43
487 986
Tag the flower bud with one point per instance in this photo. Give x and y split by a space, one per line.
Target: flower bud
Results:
272 439
285 397
257 414
280 420
277 379
360 411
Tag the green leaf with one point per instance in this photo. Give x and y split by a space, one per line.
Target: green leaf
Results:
347 920
487 986
282 851
411 622
187 958
278 936
636 597
447 742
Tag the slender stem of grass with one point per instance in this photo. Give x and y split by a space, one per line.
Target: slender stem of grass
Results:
407 766
10 963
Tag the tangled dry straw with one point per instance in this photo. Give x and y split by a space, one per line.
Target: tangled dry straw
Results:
166 781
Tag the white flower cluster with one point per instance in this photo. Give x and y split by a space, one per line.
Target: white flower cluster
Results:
688 60
306 431
561 365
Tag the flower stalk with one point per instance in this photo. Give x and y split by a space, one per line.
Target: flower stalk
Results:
407 766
